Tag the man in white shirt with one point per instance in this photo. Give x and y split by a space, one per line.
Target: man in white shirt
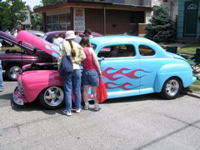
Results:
88 33
78 37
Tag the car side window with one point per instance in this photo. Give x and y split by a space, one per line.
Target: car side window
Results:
146 50
117 51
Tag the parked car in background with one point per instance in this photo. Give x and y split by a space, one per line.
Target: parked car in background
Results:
37 33
49 36
16 55
130 66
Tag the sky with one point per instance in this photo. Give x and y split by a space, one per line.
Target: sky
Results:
32 3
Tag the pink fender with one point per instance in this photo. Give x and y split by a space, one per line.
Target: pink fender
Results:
33 82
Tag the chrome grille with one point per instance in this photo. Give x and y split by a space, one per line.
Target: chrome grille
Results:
20 89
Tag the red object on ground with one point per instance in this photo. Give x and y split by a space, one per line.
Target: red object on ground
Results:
101 91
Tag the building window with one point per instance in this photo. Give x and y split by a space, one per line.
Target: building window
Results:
141 2
137 17
58 22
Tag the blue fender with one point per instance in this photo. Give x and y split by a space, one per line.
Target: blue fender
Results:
180 70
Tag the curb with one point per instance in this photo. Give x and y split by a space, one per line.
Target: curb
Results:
188 91
193 94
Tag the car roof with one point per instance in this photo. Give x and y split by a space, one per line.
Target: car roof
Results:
114 39
55 33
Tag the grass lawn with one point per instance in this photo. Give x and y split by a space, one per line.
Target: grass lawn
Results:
11 48
191 49
196 85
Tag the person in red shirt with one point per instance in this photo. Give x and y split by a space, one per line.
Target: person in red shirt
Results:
91 73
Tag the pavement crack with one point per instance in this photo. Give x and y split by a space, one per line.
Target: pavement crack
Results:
17 126
188 124
167 135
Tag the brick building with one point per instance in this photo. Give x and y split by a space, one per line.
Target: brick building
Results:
103 16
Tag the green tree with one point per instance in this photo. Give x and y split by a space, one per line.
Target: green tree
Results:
161 28
49 2
11 13
36 20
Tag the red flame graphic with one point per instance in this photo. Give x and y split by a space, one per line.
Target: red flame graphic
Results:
132 74
110 76
122 86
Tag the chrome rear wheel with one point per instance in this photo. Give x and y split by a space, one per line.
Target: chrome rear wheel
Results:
12 72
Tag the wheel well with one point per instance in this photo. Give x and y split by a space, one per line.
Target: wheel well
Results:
37 98
176 78
158 86
12 64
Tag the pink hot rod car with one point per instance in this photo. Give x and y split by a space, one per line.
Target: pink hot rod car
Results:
43 74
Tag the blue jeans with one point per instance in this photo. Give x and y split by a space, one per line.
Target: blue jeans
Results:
1 78
73 81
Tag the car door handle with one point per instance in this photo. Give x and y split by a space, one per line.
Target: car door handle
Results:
100 59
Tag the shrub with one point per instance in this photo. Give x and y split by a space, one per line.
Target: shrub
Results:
161 28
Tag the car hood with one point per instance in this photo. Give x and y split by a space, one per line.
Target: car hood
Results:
24 36
11 39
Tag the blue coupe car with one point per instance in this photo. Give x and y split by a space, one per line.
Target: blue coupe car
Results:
130 66
135 65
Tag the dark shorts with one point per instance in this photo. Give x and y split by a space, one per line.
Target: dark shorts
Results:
90 77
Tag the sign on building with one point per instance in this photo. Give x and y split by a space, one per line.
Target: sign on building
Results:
79 19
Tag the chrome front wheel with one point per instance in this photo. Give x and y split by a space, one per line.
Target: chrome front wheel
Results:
52 97
171 89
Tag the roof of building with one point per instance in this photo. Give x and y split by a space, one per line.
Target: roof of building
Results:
98 5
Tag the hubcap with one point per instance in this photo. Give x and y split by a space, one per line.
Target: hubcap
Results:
172 87
14 71
53 96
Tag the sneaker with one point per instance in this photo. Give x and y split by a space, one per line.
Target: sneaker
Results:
67 112
78 110
86 106
96 107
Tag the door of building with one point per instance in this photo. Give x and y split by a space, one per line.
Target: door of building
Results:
190 18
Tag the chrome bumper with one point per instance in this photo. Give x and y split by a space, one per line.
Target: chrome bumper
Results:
17 98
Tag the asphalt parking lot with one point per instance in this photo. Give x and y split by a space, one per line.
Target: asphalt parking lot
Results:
141 122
